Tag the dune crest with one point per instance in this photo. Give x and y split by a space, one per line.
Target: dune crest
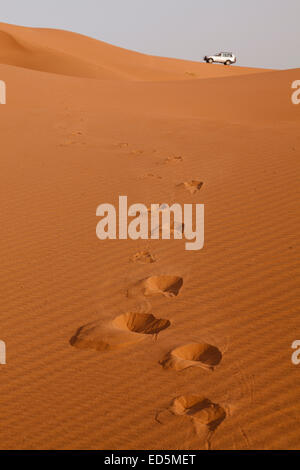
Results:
67 53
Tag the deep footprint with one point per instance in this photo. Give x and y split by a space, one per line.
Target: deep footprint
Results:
143 323
192 186
123 331
201 409
192 355
168 286
205 415
144 257
175 159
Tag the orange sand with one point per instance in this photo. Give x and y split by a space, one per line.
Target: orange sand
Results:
84 123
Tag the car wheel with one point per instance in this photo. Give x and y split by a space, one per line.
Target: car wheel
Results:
210 61
227 62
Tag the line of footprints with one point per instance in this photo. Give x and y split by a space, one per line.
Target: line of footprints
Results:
130 328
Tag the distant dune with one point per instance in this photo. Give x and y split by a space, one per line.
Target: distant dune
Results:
123 344
67 53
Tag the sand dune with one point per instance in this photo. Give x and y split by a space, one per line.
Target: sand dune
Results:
252 98
67 53
122 344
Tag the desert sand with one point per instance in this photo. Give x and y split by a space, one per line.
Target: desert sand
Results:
123 344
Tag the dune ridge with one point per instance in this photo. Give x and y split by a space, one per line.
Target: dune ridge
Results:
72 54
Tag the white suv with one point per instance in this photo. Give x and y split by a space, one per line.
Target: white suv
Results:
226 58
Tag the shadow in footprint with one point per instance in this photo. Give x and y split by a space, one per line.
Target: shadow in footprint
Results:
143 323
124 330
192 186
168 286
174 159
205 414
144 257
192 355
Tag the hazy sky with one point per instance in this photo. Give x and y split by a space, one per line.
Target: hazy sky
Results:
262 33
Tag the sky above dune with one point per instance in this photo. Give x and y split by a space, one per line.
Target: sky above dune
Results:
263 33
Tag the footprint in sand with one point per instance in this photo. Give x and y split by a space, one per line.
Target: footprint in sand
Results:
76 133
133 153
71 142
168 286
143 323
136 153
192 355
175 228
126 329
122 145
192 186
144 257
150 175
205 415
200 408
70 139
174 159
